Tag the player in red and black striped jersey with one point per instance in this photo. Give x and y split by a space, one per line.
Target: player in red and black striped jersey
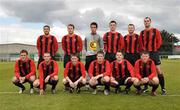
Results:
46 43
71 44
131 45
74 74
113 41
145 71
150 40
48 74
122 73
24 71
99 73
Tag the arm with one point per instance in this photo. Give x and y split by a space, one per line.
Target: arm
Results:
153 71
16 69
55 69
85 44
105 43
108 69
141 48
137 71
83 71
91 69
131 69
32 71
158 39
41 77
55 45
80 45
63 43
121 44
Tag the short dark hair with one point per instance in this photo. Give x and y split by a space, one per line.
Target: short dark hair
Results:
145 52
24 51
131 25
112 21
147 18
94 23
75 55
100 52
46 26
71 25
120 51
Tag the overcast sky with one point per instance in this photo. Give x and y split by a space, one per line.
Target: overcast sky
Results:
21 21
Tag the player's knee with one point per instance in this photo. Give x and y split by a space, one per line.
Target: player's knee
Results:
92 82
64 81
36 83
106 79
55 77
155 81
32 78
136 82
83 81
15 79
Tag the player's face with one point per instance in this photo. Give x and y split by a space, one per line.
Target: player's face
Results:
70 30
46 30
119 56
147 23
74 60
145 57
112 26
23 56
93 28
131 29
47 57
100 58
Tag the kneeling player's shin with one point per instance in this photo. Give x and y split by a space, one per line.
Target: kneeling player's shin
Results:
129 84
54 83
154 87
107 85
19 84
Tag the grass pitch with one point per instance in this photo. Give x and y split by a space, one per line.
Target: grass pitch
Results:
11 100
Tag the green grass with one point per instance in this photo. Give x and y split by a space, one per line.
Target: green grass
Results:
86 101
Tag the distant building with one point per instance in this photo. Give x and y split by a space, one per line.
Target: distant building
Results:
10 52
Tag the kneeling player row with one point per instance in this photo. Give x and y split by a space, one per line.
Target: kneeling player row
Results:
101 72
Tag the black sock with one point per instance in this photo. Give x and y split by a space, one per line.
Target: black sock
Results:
161 80
154 87
80 85
19 85
138 88
31 84
129 84
107 86
93 87
54 83
146 86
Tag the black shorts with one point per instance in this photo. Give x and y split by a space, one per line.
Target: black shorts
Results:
121 81
132 57
155 57
110 57
99 81
89 59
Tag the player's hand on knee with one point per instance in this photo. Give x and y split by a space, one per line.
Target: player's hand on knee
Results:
71 84
76 83
47 79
